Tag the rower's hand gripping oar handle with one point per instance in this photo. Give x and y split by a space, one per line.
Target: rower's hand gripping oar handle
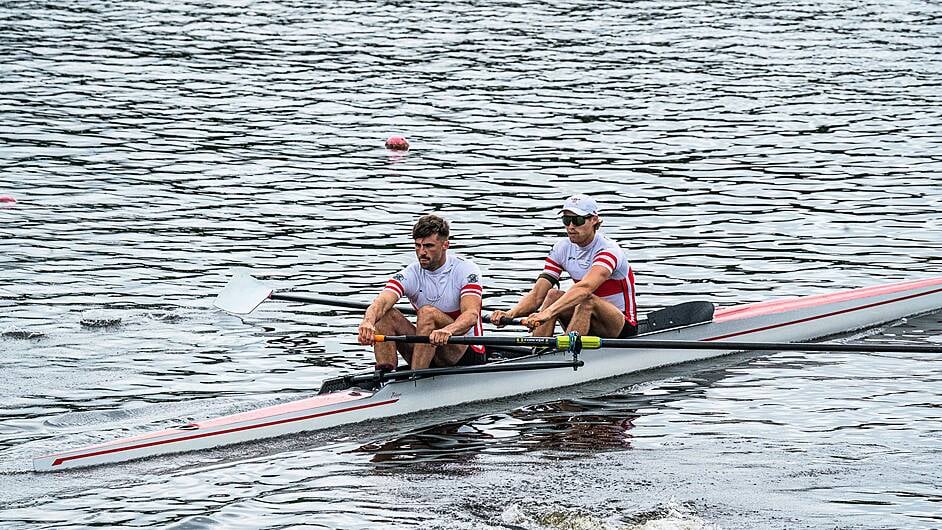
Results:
565 342
561 342
504 321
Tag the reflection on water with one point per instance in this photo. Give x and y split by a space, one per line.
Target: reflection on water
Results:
562 429
561 426
740 151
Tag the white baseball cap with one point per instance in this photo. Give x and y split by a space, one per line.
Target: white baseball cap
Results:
580 204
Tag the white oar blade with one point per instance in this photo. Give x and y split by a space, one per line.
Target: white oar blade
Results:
242 294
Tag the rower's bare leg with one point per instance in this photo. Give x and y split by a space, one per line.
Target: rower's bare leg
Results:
392 323
429 319
597 316
548 328
582 317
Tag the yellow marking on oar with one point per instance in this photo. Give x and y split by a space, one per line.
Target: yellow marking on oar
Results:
379 338
588 342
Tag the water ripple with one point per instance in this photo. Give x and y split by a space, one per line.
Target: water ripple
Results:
740 151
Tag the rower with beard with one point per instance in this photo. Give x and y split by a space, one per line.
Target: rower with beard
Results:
602 300
446 292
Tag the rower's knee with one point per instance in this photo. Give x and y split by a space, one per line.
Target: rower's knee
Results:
427 312
586 305
385 325
427 318
551 296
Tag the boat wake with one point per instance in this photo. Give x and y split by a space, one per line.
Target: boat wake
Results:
670 515
165 414
21 334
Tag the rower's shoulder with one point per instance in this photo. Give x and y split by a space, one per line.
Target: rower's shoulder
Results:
607 242
562 244
411 269
463 261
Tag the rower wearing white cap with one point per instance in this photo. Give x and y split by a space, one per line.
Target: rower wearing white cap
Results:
602 300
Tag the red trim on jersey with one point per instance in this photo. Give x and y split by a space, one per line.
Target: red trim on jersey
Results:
394 286
631 309
472 289
554 269
478 332
606 259
625 288
607 254
604 264
612 287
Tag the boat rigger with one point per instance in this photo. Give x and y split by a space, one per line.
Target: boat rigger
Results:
671 336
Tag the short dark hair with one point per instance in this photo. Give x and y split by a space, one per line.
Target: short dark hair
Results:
428 225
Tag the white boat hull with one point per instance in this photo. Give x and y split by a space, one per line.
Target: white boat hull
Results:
791 320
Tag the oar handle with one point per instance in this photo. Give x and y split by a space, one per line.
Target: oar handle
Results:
504 321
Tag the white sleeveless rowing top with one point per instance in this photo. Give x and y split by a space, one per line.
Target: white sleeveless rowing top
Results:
441 288
619 289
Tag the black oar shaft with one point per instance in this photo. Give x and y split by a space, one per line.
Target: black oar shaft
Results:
308 299
460 370
768 346
496 340
595 342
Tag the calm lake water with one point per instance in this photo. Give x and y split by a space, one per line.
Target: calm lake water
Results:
741 151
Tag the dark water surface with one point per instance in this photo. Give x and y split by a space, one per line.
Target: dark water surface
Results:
741 151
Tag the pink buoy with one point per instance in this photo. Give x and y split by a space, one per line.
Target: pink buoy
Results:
397 143
6 199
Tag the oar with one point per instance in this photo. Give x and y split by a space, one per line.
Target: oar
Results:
459 370
562 342
244 293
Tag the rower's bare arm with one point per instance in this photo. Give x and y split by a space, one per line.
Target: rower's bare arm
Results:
381 304
581 291
528 303
470 306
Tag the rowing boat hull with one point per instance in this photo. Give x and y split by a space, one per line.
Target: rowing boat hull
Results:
789 320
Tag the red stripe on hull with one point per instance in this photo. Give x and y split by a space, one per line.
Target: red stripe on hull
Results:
60 461
817 317
780 306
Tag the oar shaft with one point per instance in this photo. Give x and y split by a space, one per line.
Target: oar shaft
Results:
591 343
767 346
460 370
244 293
496 340
308 299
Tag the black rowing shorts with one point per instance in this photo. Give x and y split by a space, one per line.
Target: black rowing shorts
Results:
472 358
628 331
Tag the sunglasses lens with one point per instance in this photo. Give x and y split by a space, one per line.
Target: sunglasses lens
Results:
577 220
